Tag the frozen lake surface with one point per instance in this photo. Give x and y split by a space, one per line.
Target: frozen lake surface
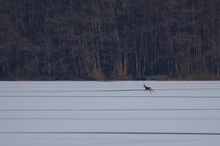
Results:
117 113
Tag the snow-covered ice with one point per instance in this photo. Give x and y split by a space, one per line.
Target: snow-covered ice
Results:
114 113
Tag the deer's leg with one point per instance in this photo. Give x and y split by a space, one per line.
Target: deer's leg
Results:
152 90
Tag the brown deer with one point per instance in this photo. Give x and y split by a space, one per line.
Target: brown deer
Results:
148 89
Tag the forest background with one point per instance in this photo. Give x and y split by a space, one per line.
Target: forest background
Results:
109 39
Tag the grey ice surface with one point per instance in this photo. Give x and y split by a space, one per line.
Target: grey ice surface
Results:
116 113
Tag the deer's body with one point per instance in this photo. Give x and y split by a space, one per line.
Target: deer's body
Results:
146 88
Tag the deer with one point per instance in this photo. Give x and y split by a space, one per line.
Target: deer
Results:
146 88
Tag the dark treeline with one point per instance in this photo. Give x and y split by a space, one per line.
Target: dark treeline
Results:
109 39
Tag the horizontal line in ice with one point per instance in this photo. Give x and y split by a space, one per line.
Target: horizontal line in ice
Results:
103 90
102 96
126 118
69 110
117 133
